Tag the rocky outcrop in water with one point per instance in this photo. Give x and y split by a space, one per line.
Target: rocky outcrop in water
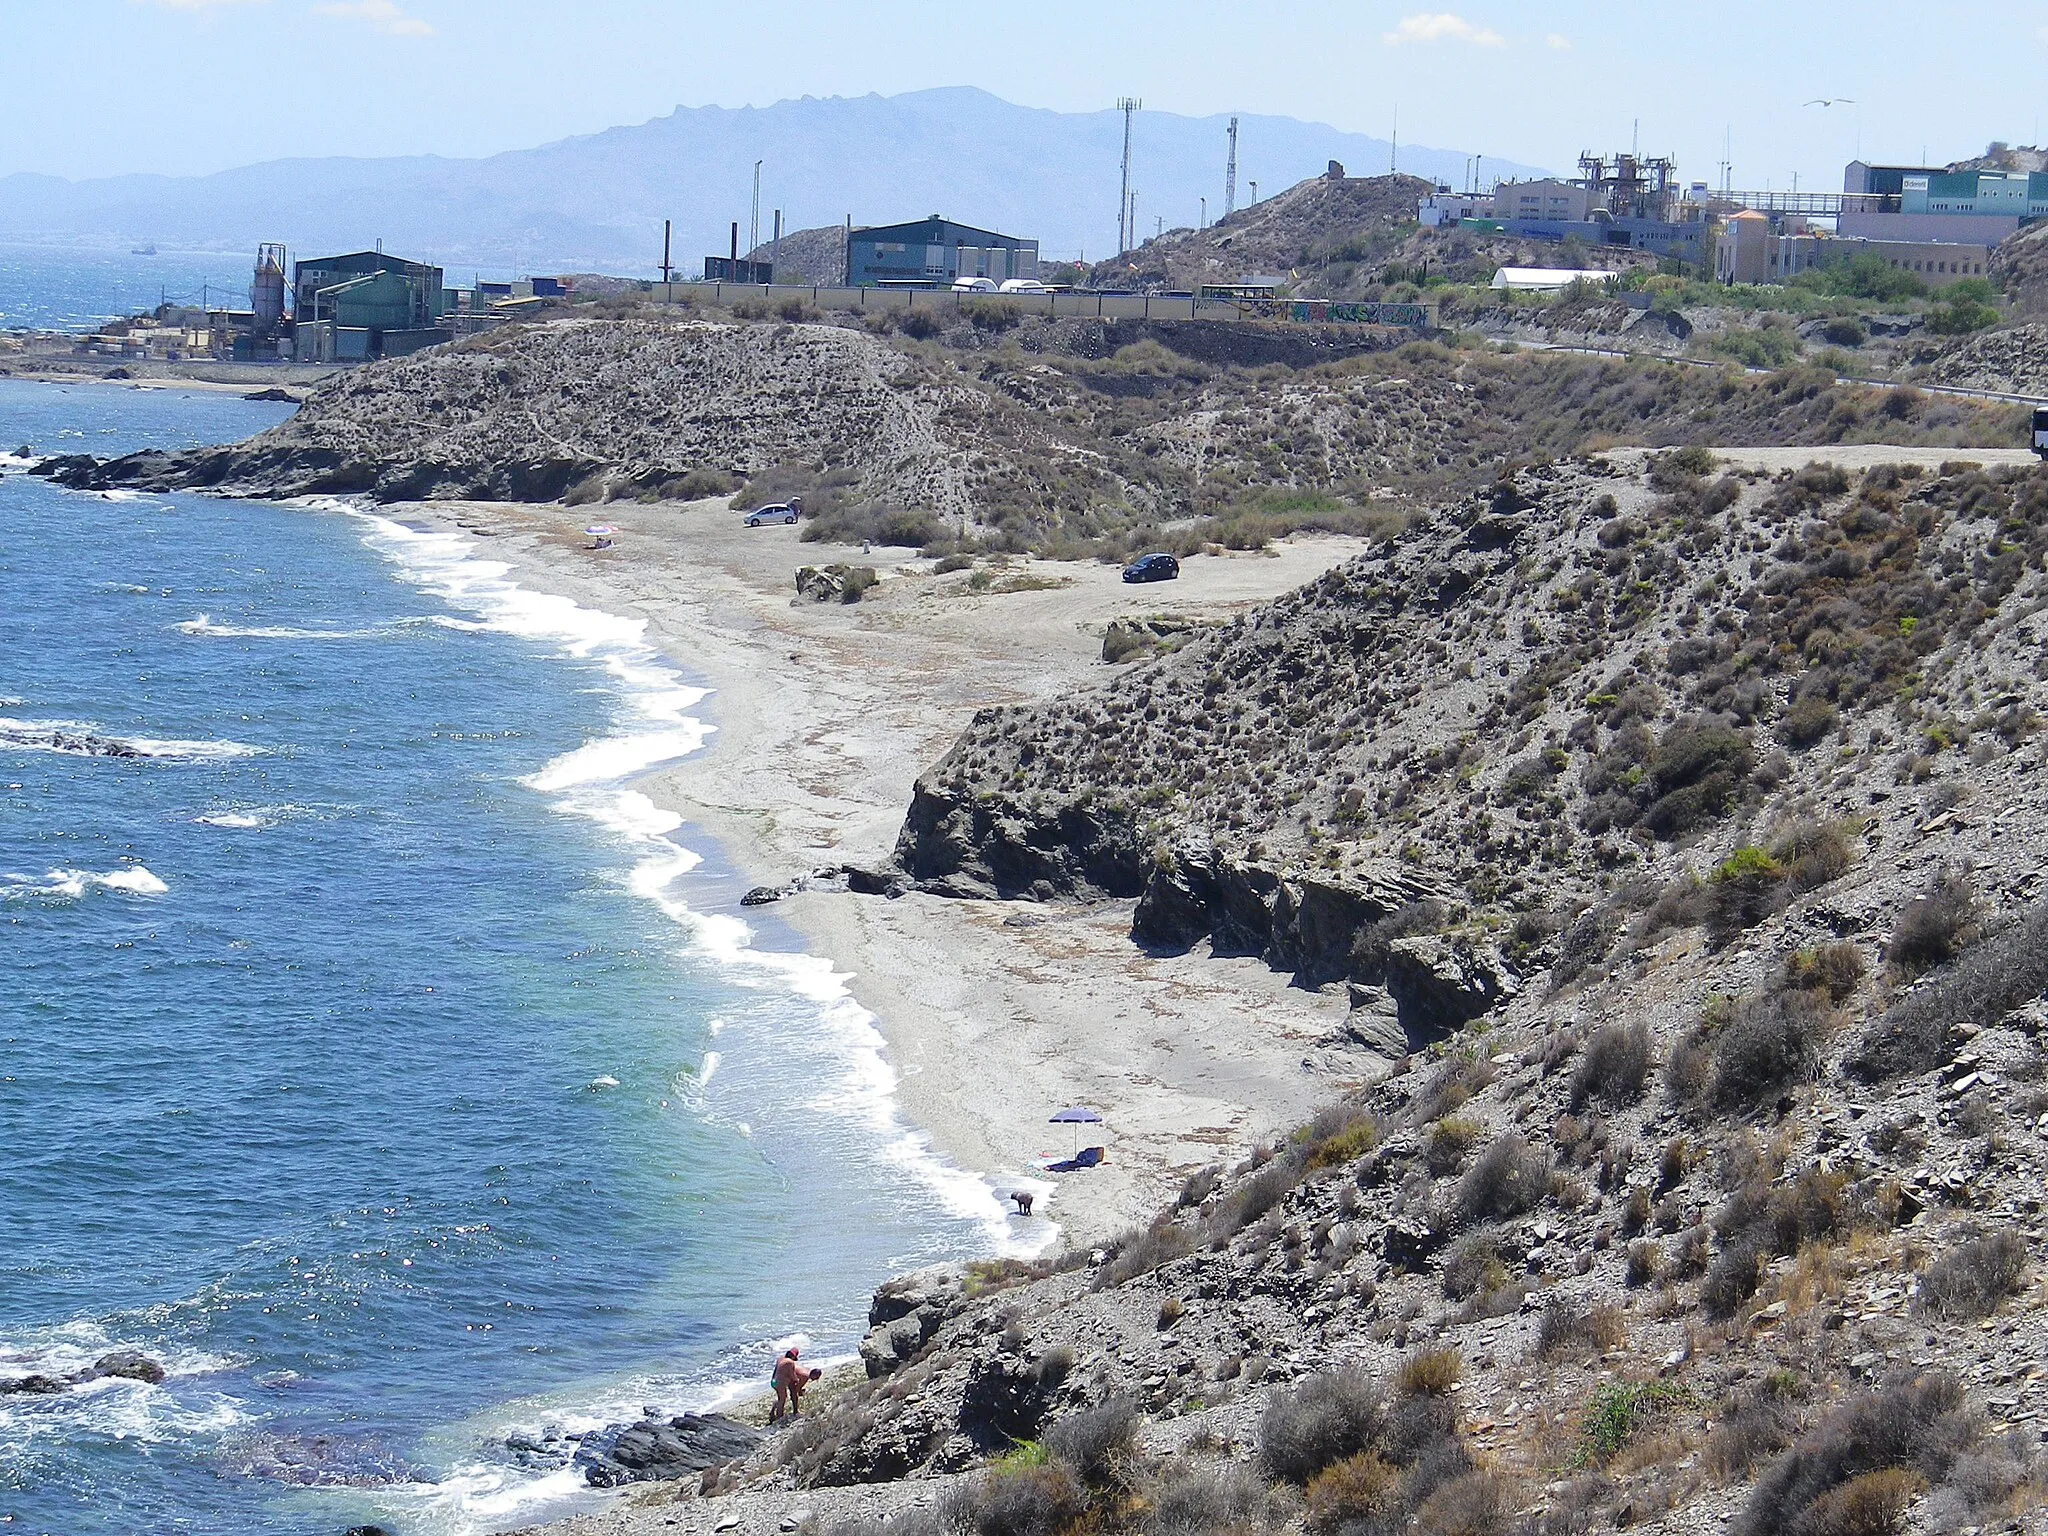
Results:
657 1450
129 1364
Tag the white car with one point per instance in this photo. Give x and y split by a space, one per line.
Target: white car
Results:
776 512
975 285
1024 285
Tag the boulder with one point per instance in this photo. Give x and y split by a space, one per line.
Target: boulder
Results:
1441 982
939 1288
130 1363
658 1451
1373 1023
761 896
35 1385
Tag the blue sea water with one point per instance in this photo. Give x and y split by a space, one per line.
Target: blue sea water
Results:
68 288
372 1054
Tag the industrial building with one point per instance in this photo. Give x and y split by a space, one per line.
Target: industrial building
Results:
1920 203
1751 251
1626 201
365 305
932 253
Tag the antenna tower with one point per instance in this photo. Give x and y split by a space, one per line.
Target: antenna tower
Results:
1230 174
1126 234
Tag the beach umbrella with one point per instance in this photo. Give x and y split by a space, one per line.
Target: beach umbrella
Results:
1076 1117
601 532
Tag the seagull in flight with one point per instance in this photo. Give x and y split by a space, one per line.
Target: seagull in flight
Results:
1832 101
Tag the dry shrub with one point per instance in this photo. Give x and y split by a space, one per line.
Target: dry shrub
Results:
1430 1373
1732 1278
1933 928
1473 1266
1139 1253
1573 1327
1919 1424
1018 1498
1449 1140
1970 1281
1098 1443
1645 1263
1359 1494
1478 1503
1993 978
1751 1425
1203 1500
1871 1505
1772 1042
1320 1422
1806 722
1613 1066
1836 969
1509 1178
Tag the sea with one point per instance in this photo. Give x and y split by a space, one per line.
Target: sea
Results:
374 1055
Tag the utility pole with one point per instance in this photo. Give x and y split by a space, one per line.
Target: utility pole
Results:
1230 174
1394 160
775 250
666 270
1255 192
1204 224
1125 233
754 229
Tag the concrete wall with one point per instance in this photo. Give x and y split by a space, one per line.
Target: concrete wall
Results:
1134 306
1953 228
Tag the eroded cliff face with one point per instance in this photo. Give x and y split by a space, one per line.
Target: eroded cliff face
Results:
1596 700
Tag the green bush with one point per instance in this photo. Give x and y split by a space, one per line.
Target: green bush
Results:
1959 317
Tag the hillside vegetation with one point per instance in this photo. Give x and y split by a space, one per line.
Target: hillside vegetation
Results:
1680 836
972 429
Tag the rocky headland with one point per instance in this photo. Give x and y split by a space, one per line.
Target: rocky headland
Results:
1675 827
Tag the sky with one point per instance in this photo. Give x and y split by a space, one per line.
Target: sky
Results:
106 87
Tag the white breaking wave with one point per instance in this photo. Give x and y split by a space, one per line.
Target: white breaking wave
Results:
71 884
204 625
846 1040
114 1408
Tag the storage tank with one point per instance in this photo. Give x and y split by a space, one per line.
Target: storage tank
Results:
266 295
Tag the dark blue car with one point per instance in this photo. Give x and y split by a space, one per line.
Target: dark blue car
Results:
1152 568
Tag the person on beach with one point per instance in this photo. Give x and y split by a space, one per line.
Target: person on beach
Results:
790 1381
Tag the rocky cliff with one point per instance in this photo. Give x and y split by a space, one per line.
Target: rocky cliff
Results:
1512 726
1683 835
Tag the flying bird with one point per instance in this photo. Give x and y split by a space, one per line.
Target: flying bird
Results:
1832 101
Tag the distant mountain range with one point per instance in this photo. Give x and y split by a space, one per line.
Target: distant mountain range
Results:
598 201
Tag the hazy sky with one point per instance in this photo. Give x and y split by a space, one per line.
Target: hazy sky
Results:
99 87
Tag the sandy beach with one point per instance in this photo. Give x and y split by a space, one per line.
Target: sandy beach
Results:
996 1013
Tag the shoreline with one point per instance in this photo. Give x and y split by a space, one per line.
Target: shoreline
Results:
995 1014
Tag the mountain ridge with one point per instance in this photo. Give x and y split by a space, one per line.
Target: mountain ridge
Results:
599 199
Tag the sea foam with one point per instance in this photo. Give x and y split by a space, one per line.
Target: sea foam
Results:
843 1052
71 884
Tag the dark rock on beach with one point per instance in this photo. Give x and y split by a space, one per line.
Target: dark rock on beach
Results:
657 1451
761 896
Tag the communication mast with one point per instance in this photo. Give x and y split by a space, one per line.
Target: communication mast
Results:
1126 234
1230 174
